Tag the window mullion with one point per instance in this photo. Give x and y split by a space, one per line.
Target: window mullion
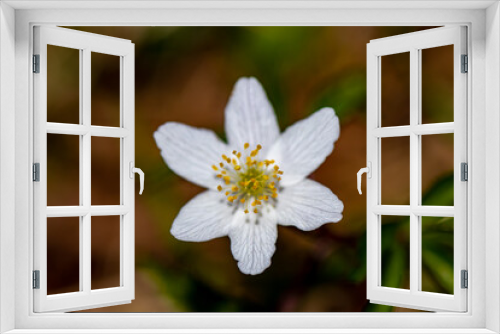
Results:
414 170
85 166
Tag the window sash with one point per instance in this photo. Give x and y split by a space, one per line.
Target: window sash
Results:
413 43
85 42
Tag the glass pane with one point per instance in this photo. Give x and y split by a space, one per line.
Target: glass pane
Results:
63 170
437 254
105 252
395 86
105 189
437 169
395 251
105 89
63 255
63 85
437 84
395 171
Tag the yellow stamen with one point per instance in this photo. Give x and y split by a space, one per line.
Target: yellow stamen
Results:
248 179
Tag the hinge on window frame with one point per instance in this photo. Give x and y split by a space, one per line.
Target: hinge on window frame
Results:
36 172
464 171
36 63
465 64
36 279
464 279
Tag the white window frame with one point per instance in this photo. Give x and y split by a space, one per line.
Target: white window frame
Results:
86 44
16 125
414 44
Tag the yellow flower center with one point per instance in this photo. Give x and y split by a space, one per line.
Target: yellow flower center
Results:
247 180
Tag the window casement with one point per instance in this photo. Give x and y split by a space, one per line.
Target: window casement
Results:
86 131
415 44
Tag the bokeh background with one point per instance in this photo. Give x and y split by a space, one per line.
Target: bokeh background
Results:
186 74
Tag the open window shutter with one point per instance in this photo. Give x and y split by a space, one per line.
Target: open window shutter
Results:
413 296
86 297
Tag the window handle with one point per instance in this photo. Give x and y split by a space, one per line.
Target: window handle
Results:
133 170
368 171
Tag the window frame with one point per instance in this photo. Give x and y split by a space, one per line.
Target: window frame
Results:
17 217
86 44
414 44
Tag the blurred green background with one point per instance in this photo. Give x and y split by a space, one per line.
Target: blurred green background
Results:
186 74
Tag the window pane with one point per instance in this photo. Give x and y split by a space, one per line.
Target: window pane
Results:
437 169
63 170
105 171
395 251
395 171
105 252
437 84
105 89
395 94
63 255
63 85
437 254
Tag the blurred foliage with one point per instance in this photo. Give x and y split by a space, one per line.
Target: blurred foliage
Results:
186 74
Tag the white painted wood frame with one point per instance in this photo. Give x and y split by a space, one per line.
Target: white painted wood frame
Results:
414 43
85 43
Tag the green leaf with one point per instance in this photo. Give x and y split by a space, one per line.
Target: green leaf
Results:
439 266
346 96
441 193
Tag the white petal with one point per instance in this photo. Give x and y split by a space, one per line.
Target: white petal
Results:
206 216
304 146
253 238
190 152
308 205
250 117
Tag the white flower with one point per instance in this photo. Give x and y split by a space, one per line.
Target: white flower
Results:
257 180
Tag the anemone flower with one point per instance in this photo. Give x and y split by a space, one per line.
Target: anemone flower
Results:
254 182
